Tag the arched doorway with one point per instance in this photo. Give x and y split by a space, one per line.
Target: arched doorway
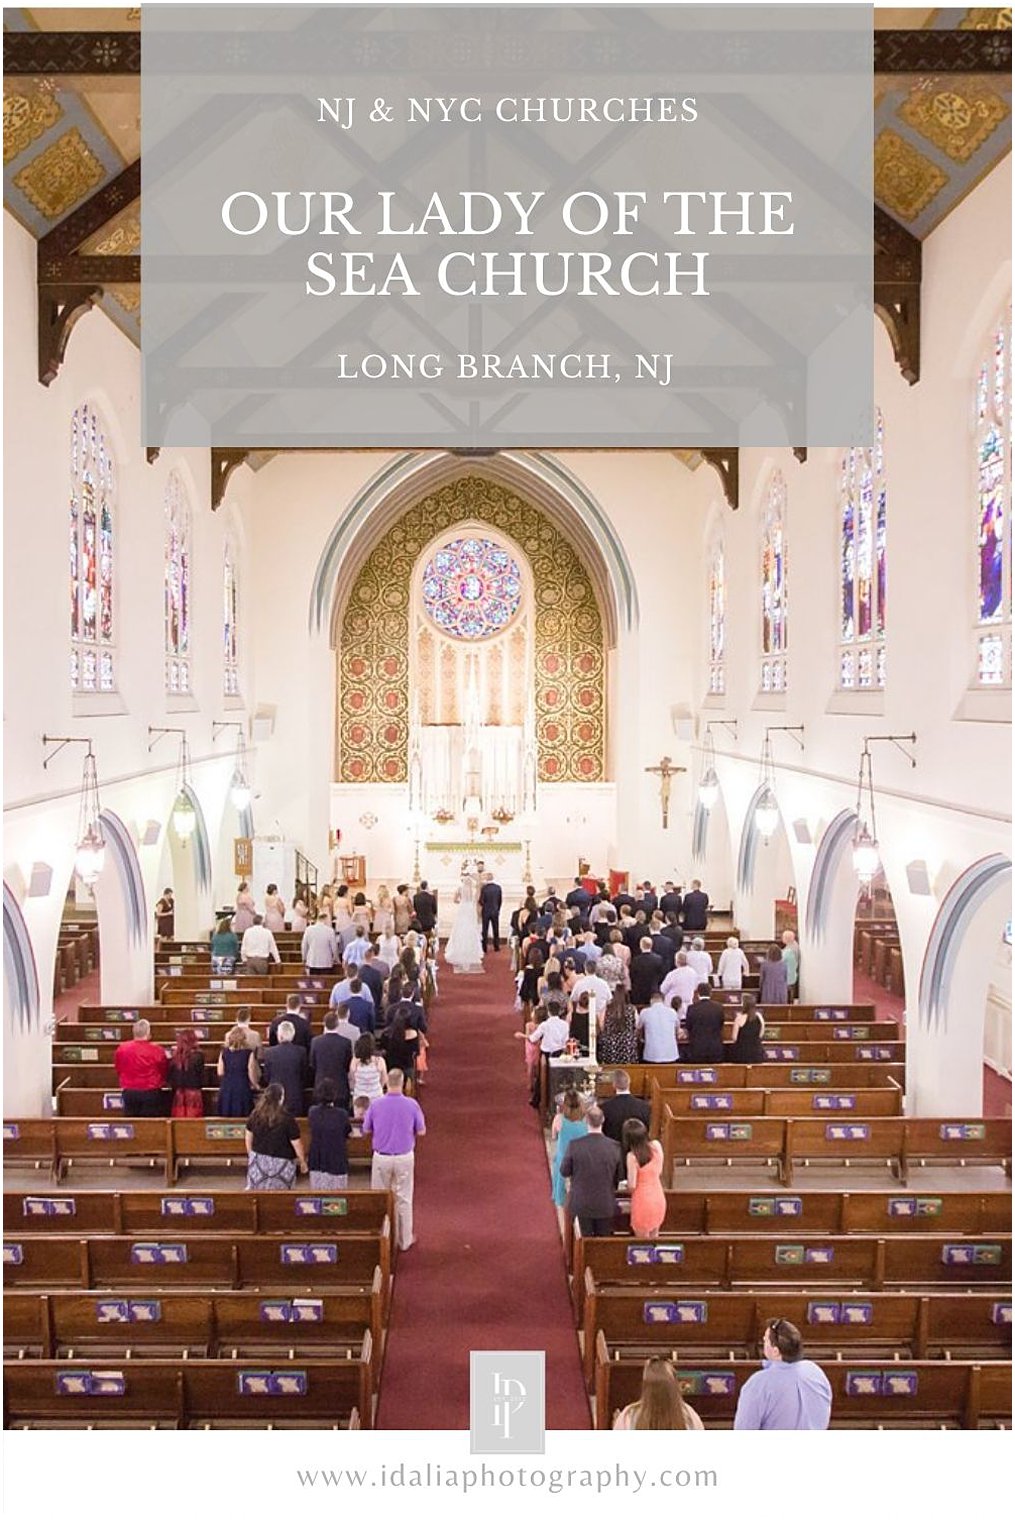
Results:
26 1044
765 874
186 866
946 1046
125 926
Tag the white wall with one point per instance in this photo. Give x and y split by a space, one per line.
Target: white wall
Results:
41 806
954 807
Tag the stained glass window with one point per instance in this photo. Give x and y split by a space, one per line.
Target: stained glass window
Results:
177 587
92 504
230 624
472 588
863 585
993 508
717 621
773 587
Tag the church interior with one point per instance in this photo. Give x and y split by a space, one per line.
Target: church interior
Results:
782 673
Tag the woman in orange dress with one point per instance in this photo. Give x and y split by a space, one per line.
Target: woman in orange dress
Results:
644 1179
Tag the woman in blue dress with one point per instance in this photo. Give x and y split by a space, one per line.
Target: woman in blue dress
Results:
238 1076
568 1125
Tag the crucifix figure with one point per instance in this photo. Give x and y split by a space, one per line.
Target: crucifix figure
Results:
666 771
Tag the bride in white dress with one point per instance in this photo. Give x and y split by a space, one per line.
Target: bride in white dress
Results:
464 949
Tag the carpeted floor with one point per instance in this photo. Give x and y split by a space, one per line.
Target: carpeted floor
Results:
487 1272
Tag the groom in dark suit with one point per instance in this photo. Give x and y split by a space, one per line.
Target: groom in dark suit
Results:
490 899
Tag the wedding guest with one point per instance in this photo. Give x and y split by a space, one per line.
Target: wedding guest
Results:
238 1075
186 1077
661 1406
274 1147
774 986
330 1127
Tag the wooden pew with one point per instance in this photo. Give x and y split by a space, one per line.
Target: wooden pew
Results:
753 1211
721 1140
193 1260
961 1395
966 1141
173 1143
241 1323
186 1394
646 1323
146 1213
850 1261
839 1074
773 1102
847 1139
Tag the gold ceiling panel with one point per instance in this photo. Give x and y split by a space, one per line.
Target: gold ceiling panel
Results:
996 20
904 180
28 113
122 235
61 176
956 115
58 18
127 296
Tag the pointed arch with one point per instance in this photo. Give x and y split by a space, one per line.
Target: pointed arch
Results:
974 888
21 977
835 841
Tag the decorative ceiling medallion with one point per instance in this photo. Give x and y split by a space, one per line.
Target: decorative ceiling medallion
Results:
957 119
61 176
26 118
904 180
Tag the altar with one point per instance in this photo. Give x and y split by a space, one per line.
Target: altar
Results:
441 861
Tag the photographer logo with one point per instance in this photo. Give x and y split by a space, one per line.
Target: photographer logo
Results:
508 1402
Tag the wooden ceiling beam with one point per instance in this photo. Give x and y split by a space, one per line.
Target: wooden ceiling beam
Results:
898 274
84 53
90 218
944 52
71 269
895 52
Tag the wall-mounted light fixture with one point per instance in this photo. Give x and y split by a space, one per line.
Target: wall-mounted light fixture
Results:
866 850
240 790
708 782
766 809
90 855
184 814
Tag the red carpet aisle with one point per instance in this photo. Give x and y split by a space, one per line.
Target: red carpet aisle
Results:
84 992
487 1272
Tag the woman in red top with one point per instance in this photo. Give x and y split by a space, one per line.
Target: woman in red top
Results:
186 1077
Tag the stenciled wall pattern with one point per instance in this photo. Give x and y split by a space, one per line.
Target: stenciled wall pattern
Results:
373 653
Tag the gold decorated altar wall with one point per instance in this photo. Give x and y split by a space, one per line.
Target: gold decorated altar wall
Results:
373 658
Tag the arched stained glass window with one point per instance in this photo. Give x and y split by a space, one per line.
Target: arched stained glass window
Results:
717 620
993 508
92 505
773 587
863 528
177 587
230 624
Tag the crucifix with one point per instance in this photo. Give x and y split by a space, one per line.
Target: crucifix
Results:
666 771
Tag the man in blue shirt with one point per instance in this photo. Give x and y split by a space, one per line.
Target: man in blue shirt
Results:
359 1007
789 1393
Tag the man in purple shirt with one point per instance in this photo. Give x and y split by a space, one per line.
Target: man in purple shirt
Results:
789 1393
394 1121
